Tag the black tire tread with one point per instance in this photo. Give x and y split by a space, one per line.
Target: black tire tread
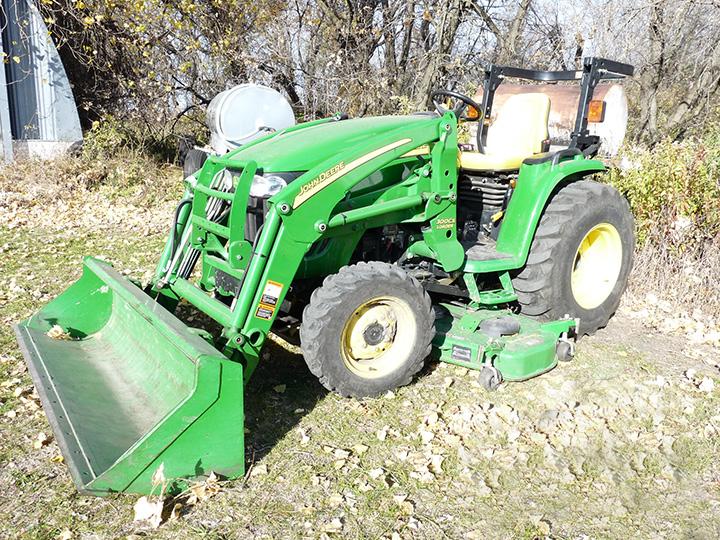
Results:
328 297
533 284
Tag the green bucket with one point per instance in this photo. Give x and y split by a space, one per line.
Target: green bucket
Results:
130 388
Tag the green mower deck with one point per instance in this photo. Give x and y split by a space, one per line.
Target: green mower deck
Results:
519 348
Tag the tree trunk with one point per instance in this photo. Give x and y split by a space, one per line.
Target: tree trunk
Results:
444 38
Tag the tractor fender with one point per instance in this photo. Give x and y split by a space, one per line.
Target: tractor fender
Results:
536 185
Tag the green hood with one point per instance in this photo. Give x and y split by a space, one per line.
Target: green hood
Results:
304 148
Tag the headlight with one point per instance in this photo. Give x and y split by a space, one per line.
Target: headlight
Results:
266 186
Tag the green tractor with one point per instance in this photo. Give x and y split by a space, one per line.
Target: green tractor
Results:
370 242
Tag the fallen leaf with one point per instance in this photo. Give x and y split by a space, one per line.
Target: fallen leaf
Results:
147 510
431 419
706 385
335 500
436 464
280 388
334 526
203 490
382 433
40 441
341 454
364 486
304 437
56 332
426 436
57 459
176 509
544 527
376 473
158 477
423 475
259 470
406 506
360 449
66 534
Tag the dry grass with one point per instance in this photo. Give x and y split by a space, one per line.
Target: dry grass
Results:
689 282
619 443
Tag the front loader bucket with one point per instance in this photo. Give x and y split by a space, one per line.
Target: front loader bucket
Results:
132 388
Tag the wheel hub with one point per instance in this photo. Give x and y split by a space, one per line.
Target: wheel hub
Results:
377 337
597 265
374 334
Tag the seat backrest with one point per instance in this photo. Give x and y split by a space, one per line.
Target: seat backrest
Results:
521 125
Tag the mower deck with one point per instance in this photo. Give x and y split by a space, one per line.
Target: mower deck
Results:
518 347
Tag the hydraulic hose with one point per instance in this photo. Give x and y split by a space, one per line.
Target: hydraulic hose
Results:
176 219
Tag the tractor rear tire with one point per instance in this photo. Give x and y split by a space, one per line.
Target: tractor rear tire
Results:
368 329
580 258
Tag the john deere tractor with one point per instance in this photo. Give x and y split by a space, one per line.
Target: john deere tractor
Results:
373 243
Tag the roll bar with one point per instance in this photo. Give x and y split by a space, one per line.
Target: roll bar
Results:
593 71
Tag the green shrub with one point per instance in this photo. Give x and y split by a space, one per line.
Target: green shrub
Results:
674 191
109 137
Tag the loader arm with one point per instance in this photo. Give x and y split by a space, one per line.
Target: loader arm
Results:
305 212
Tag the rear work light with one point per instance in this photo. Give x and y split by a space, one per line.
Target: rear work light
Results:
596 111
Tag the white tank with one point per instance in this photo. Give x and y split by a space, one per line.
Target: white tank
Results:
246 112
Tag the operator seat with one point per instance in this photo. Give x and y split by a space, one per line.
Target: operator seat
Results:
520 130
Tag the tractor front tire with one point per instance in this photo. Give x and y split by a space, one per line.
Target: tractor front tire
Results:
580 258
368 329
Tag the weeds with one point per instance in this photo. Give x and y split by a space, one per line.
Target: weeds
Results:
674 192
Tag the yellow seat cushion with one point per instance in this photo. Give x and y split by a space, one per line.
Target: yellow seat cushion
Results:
475 161
517 133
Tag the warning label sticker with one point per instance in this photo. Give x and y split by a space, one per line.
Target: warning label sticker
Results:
264 312
461 353
271 293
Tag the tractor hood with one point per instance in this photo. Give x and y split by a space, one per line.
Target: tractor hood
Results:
301 149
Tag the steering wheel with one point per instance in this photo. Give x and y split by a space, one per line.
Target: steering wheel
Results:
462 103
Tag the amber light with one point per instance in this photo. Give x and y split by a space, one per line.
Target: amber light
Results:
596 111
471 113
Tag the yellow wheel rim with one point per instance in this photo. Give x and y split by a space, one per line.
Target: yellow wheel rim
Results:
597 265
378 337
